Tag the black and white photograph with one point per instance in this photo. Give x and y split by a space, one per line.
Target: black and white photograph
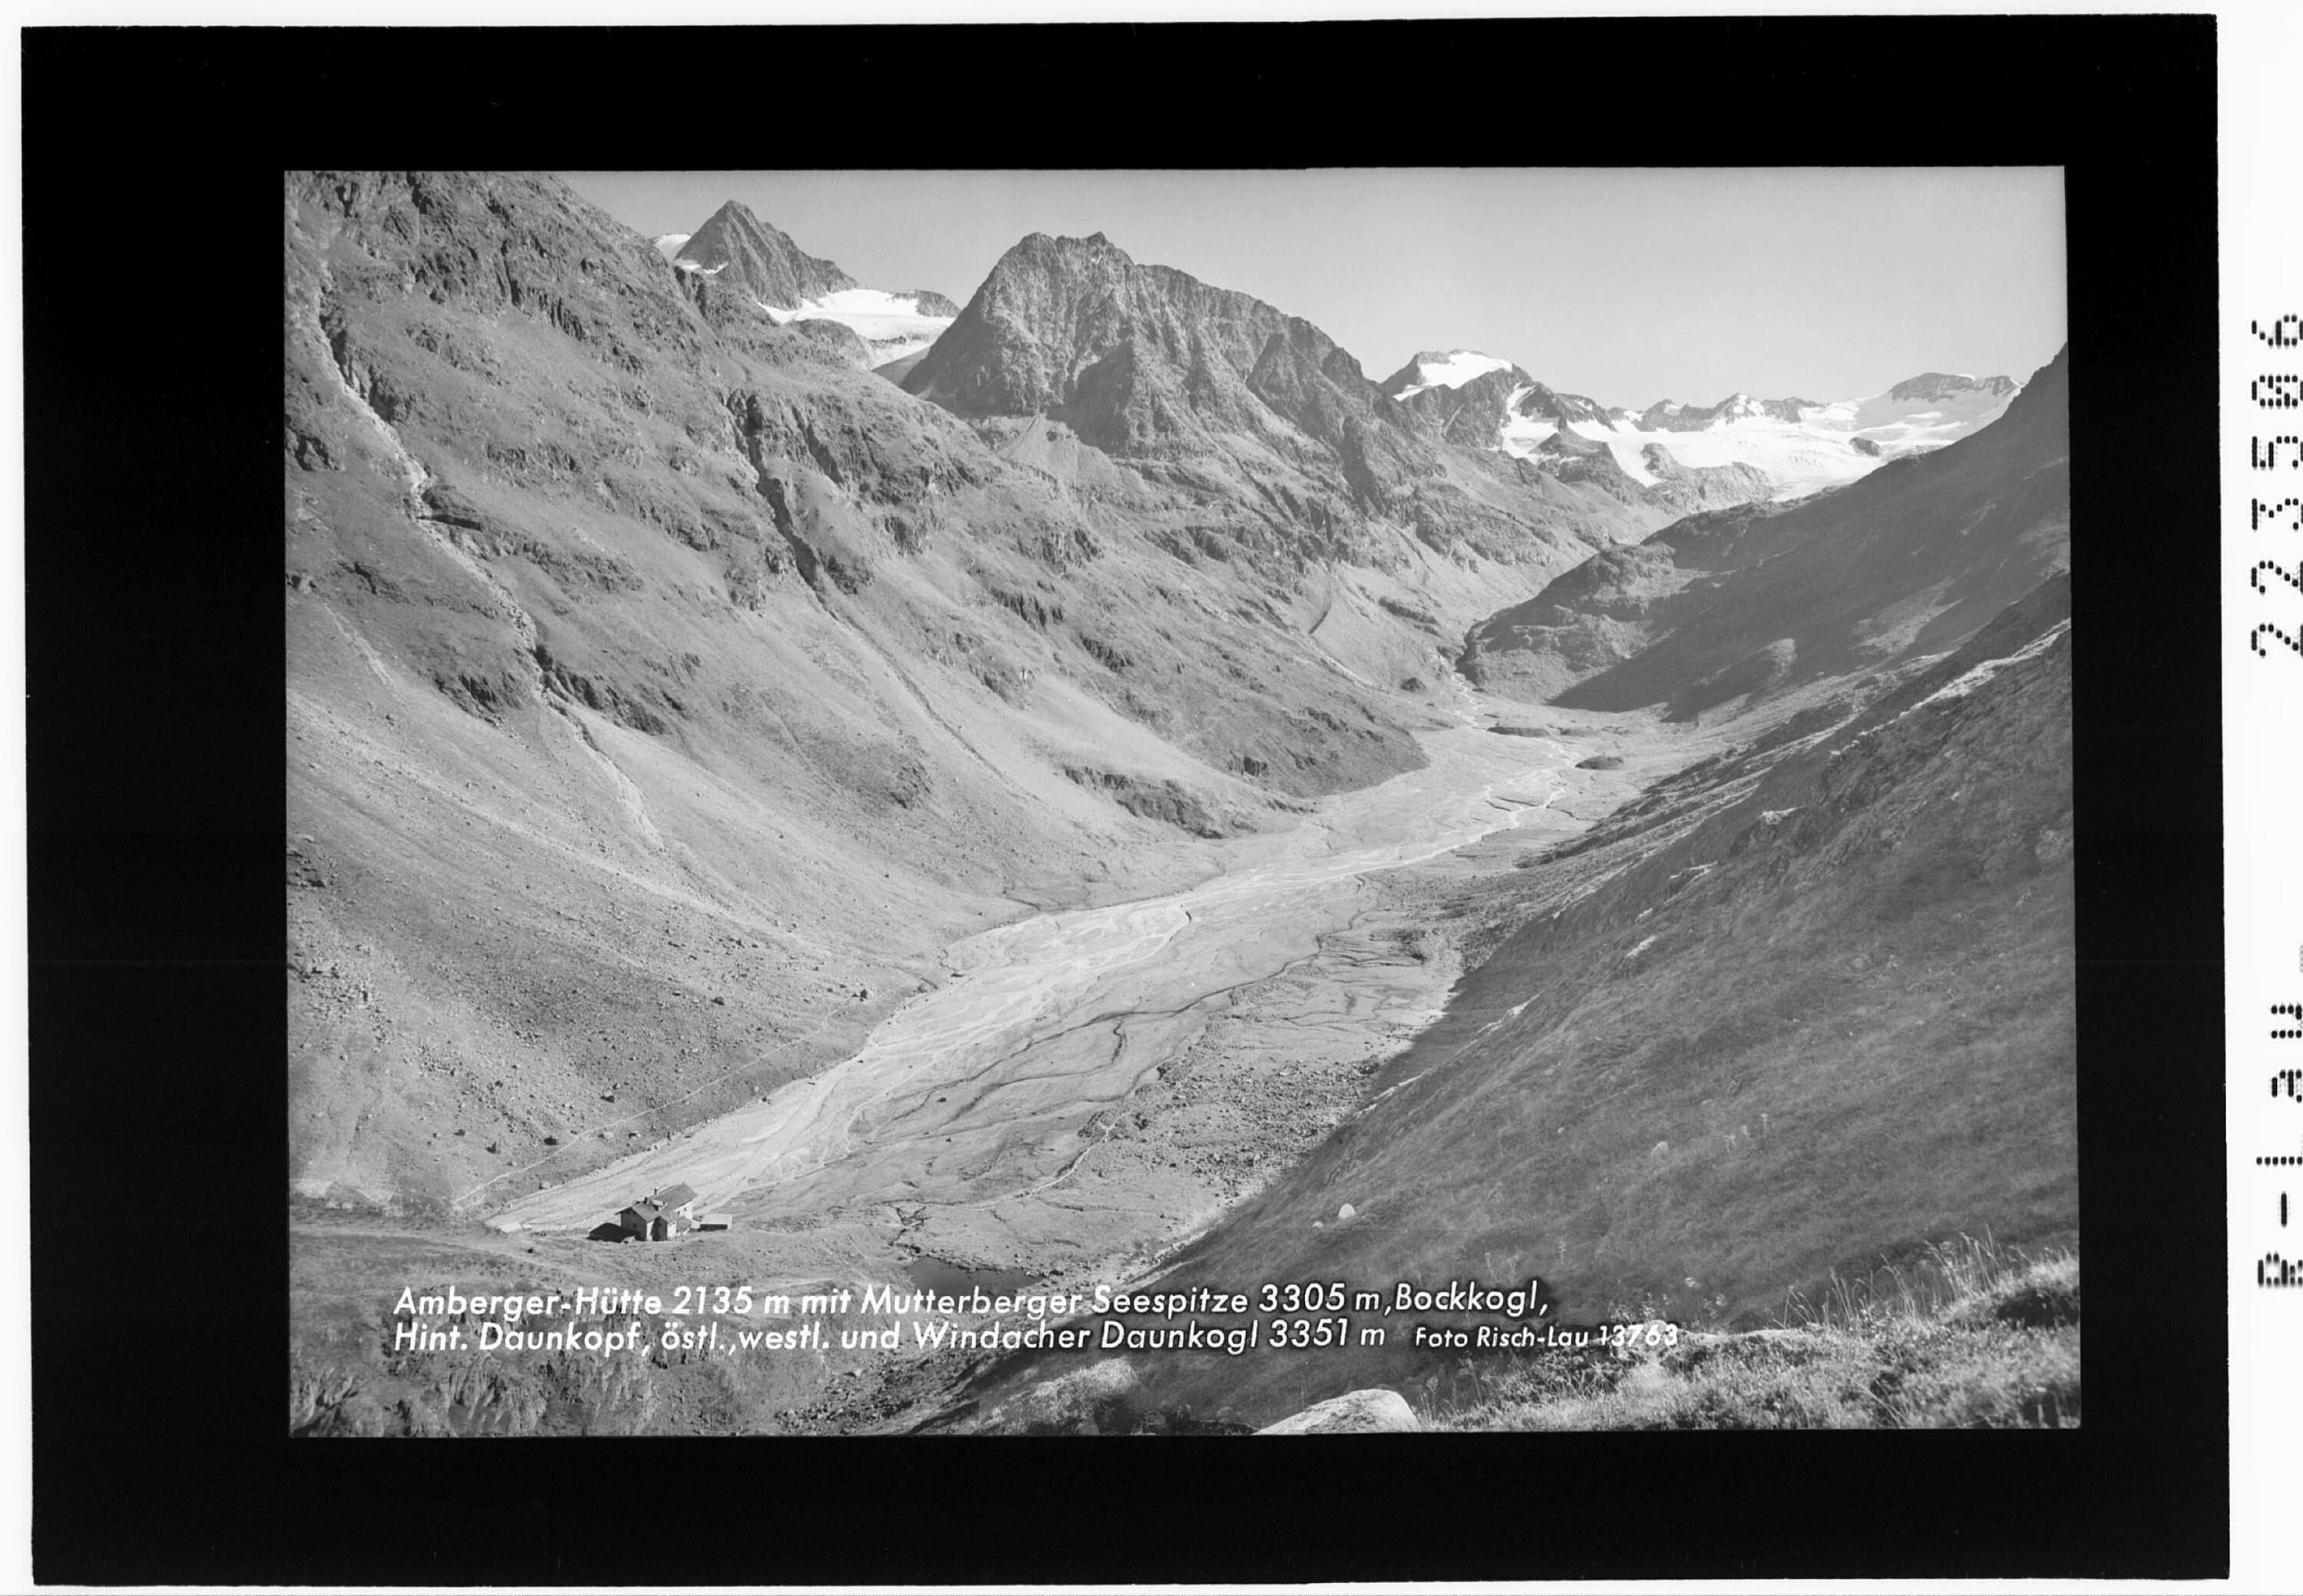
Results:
1179 802
992 735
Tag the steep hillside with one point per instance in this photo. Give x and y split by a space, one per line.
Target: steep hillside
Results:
763 260
1751 600
664 690
1805 1007
630 635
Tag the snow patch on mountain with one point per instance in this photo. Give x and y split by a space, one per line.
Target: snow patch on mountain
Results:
1522 433
1798 459
1450 369
891 323
1801 446
669 243
1806 448
1927 412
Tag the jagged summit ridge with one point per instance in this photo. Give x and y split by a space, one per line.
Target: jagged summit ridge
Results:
1907 561
737 247
1228 397
1131 355
1667 416
1779 448
1940 385
1442 368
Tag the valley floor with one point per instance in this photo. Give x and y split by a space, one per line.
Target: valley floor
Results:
1084 1091
1124 1095
1084 1088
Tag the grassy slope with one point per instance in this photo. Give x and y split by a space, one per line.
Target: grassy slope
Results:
346 1377
1987 1340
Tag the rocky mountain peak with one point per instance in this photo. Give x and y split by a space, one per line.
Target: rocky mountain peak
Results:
1446 368
2045 401
1946 385
737 248
1132 355
1669 417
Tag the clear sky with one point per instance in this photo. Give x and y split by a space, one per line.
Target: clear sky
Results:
1629 285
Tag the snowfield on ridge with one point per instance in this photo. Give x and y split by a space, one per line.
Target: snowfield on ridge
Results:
1827 446
892 324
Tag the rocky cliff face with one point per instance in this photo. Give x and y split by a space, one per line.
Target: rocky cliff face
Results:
1475 411
1668 415
1704 487
1125 354
1256 414
737 246
1935 386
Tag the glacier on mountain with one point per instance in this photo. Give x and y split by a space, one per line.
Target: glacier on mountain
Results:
1451 369
891 323
1802 447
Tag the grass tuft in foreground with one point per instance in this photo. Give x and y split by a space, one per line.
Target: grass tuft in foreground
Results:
1980 1337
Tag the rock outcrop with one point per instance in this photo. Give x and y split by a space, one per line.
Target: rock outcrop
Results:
1935 386
1375 1412
737 247
1668 415
1704 487
1258 413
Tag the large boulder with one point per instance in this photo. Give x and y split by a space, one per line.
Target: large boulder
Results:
1354 1413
